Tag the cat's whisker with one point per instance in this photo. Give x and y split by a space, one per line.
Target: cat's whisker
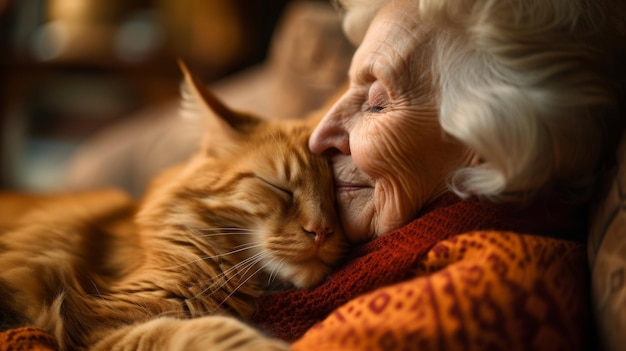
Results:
199 232
252 260
274 272
240 266
226 230
223 234
260 255
240 285
246 246
203 236
223 274
221 229
246 264
218 229
237 249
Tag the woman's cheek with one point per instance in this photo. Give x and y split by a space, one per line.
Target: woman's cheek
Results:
376 150
367 157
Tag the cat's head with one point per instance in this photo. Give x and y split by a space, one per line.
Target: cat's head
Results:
256 180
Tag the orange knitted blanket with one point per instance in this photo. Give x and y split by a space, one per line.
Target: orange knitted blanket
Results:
476 291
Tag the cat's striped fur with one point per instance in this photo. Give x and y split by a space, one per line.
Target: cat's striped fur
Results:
252 209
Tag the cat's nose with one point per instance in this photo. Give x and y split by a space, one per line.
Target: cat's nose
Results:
319 234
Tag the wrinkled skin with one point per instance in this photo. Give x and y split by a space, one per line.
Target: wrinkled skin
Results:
383 136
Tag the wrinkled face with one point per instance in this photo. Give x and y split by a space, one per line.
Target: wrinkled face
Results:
388 150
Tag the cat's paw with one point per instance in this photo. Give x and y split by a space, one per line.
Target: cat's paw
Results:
215 333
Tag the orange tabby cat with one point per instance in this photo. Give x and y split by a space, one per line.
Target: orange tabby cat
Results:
251 208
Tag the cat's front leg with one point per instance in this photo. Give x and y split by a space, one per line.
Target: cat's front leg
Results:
215 333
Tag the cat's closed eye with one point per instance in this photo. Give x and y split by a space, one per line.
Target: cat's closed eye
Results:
281 190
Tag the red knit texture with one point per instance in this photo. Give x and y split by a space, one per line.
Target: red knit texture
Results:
393 257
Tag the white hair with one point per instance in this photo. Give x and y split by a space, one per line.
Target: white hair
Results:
519 83
357 16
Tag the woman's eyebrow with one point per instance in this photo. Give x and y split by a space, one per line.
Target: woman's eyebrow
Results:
363 74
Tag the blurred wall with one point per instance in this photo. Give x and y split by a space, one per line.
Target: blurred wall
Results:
72 67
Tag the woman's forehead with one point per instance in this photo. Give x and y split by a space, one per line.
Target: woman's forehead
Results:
389 49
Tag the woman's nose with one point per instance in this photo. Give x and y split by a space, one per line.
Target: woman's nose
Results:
330 135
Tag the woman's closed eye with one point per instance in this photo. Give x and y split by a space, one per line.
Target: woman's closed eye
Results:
374 109
377 98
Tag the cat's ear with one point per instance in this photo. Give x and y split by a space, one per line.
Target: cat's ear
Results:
198 102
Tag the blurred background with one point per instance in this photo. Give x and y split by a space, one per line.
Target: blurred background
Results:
71 68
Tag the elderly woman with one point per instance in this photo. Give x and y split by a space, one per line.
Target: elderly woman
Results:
499 101
465 149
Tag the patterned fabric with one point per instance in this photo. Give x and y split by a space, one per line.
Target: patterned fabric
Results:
395 257
477 291
27 338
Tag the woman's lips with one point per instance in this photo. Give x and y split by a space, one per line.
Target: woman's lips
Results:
348 177
349 186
